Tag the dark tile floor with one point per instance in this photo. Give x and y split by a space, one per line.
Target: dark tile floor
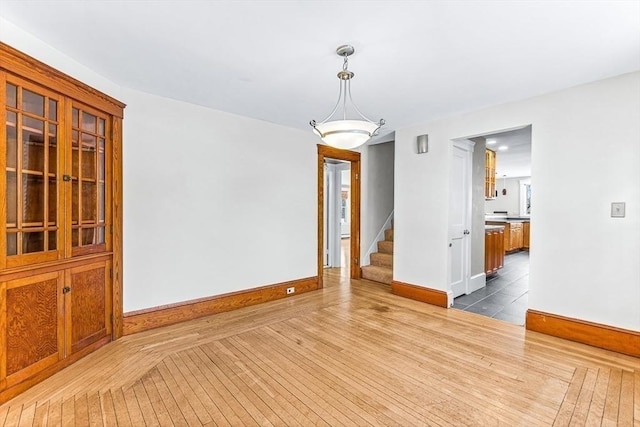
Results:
506 295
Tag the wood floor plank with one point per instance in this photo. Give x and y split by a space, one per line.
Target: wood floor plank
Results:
596 409
68 414
565 413
245 383
222 408
636 396
133 406
453 379
54 417
94 410
175 411
120 407
27 415
612 400
290 409
183 362
41 415
202 362
328 406
290 381
13 415
146 409
182 400
349 354
155 400
4 409
107 410
185 386
625 412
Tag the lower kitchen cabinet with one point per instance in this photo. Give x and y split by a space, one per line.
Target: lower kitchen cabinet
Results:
493 250
526 230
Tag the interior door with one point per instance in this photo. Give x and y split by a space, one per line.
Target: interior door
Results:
460 217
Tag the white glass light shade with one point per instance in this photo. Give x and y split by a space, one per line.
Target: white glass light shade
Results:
346 134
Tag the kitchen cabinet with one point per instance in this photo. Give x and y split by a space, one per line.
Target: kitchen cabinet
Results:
516 234
60 225
493 249
490 174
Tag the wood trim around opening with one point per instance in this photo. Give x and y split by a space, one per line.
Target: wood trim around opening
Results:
420 293
155 317
324 151
623 341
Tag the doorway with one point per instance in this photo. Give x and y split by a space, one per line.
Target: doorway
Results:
501 292
337 218
329 154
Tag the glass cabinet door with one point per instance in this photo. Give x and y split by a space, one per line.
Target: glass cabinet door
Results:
88 171
31 163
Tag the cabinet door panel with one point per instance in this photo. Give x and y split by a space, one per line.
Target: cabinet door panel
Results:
33 333
88 306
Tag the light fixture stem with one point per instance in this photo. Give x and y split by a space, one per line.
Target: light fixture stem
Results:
344 101
336 106
355 107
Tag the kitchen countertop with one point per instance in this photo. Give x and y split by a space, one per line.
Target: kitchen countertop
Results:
507 218
493 227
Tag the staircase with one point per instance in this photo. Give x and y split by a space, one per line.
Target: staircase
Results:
381 268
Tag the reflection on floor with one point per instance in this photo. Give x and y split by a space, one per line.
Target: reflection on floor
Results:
506 295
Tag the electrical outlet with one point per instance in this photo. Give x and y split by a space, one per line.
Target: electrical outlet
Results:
291 290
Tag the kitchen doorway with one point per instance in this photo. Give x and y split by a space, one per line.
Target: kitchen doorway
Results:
501 224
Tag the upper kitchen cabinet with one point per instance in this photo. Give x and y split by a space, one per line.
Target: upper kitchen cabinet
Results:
61 224
490 174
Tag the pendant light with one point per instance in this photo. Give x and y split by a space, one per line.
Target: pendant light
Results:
346 133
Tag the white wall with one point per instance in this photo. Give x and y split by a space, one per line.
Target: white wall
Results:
210 207
510 202
585 155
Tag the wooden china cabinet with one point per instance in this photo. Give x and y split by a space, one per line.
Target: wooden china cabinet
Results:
60 220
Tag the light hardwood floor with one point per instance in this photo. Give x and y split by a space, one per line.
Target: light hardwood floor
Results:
349 354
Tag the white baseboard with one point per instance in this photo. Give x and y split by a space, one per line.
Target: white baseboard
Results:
476 282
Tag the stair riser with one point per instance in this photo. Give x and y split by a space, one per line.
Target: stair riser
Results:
388 234
378 277
385 246
382 260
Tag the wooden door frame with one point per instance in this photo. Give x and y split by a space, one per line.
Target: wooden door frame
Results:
324 151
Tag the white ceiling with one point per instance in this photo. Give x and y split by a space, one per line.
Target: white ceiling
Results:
515 161
275 61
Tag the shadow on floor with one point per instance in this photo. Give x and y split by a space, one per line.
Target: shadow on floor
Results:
506 296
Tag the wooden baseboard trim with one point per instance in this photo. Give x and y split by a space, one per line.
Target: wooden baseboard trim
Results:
155 317
623 341
420 293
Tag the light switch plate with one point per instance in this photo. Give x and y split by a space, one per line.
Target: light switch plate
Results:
617 209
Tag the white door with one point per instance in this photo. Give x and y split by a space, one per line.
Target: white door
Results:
460 217
332 193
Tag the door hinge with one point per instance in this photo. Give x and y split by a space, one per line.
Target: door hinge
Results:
111 273
357 176
66 290
355 261
111 229
111 318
